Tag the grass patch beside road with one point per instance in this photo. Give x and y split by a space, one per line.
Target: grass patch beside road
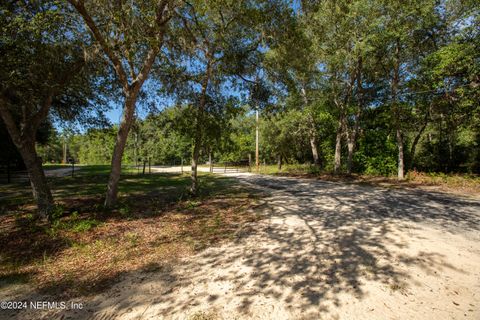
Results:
456 183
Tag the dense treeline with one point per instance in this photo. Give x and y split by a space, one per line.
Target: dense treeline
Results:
377 87
283 139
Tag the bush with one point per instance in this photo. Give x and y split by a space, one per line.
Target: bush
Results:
84 225
380 166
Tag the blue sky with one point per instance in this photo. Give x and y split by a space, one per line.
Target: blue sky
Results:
114 115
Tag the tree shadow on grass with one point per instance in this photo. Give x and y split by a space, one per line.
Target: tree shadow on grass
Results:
26 242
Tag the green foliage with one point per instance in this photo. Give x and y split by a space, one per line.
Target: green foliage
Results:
57 213
191 204
380 165
95 146
84 225
312 72
124 211
73 223
41 50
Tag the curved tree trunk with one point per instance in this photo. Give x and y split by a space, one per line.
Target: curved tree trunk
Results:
24 140
313 145
121 140
40 189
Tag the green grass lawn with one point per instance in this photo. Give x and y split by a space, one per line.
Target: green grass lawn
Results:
86 247
91 181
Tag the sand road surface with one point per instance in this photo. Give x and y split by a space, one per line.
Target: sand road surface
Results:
62 172
324 250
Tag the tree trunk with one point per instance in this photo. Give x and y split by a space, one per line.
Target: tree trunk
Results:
415 143
350 147
396 111
352 137
25 143
195 154
313 139
130 90
121 140
312 130
401 166
351 140
40 189
450 154
338 149
313 145
257 156
279 161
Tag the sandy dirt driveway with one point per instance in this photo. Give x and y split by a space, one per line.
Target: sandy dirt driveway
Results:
324 250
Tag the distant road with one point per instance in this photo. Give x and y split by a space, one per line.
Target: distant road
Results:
219 169
62 172
177 169
22 176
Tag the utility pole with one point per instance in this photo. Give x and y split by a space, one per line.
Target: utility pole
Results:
210 160
64 160
257 160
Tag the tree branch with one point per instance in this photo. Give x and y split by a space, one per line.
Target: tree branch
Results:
40 115
245 79
155 49
117 64
197 23
9 121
